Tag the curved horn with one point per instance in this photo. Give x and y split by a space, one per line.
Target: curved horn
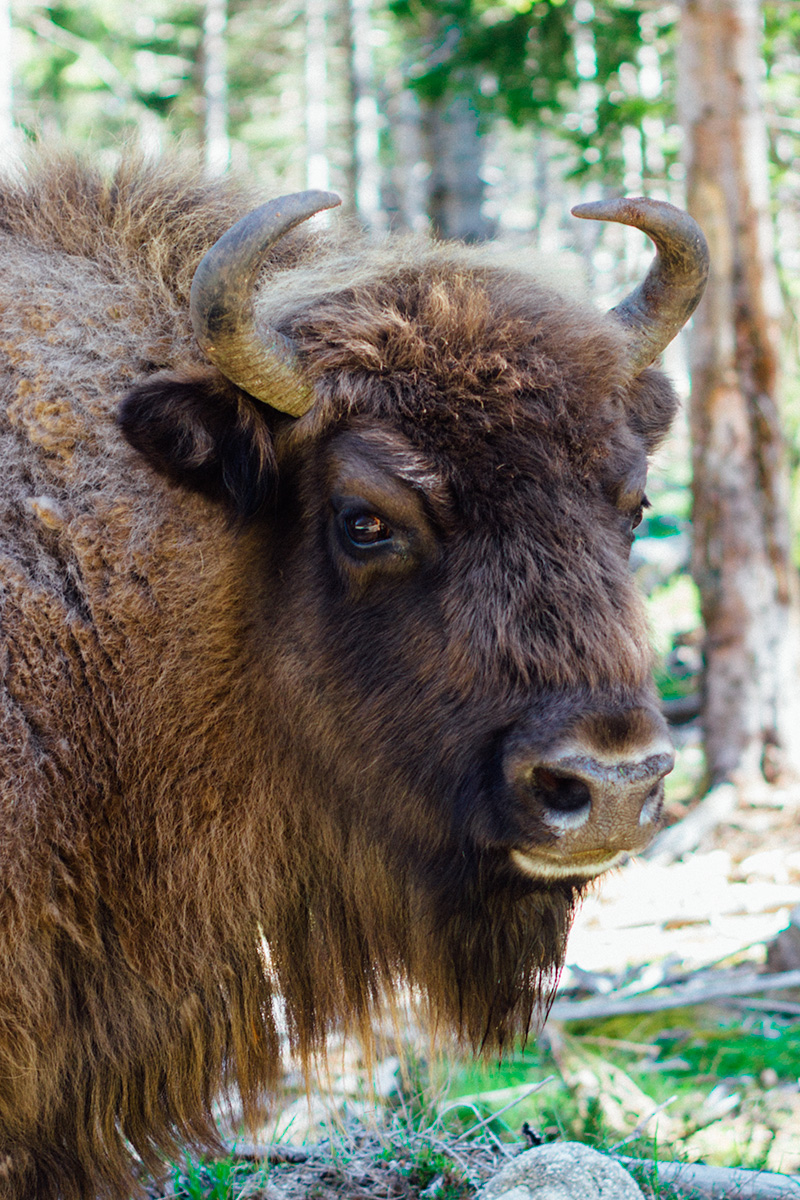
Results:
260 361
671 291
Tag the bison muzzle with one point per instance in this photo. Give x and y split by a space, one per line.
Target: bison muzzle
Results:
322 667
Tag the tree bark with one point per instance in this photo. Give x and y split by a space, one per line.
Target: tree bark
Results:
316 94
742 549
455 155
363 169
407 198
215 88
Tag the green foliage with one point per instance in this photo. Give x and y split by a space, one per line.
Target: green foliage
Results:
662 549
781 39
729 1051
225 1179
585 71
95 72
523 51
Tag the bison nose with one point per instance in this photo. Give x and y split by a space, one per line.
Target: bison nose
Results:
572 787
593 808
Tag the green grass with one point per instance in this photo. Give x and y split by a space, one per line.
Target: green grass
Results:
728 1051
222 1179
610 1075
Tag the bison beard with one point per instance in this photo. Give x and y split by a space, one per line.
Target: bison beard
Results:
294 706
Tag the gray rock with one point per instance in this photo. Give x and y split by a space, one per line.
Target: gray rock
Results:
561 1171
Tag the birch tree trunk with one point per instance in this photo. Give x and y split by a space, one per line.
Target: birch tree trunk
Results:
742 549
215 88
316 97
364 171
455 155
410 172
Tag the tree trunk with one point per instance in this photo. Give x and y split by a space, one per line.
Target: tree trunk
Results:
363 171
455 155
215 88
407 198
316 97
742 549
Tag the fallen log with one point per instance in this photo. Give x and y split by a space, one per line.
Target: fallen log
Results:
717 1183
275 1153
684 995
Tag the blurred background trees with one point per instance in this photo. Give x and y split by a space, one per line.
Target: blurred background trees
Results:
488 119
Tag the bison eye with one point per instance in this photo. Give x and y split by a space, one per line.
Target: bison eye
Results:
639 514
365 529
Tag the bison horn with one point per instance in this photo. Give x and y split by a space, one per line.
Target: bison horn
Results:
260 361
663 303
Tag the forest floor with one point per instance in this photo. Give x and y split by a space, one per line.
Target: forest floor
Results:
716 1081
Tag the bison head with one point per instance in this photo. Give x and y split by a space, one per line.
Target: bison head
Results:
434 467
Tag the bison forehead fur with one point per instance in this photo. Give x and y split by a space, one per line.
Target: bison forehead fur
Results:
213 723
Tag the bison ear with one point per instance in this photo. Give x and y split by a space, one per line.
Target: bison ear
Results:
651 404
203 433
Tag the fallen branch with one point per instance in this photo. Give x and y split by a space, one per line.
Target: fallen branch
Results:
718 1183
716 808
273 1154
786 1007
640 1128
681 996
499 1112
470 1104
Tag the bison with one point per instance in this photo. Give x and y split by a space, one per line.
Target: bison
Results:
322 667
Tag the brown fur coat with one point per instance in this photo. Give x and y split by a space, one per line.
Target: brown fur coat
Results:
153 815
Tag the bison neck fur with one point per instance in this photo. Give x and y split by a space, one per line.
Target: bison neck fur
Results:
225 780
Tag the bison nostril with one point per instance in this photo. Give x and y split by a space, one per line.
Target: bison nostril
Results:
560 793
652 805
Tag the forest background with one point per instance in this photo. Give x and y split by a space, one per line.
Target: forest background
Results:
488 120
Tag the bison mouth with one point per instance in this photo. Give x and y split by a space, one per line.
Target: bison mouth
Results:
586 864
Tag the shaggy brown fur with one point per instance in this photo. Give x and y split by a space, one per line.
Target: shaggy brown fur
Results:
213 722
